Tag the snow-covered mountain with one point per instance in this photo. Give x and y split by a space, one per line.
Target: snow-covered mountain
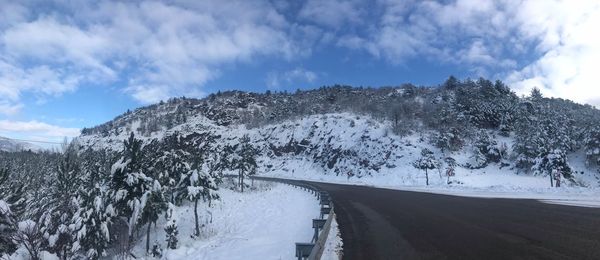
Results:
357 133
9 145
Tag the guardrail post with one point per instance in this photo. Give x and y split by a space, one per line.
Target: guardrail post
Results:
325 211
303 250
318 225
324 199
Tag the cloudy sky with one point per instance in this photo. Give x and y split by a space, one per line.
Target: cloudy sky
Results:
65 65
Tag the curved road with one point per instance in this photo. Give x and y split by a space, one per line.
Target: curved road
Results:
390 224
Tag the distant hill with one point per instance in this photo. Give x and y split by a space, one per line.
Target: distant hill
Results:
9 145
481 126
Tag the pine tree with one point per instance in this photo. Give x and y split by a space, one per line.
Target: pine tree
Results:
553 162
12 207
485 150
92 221
245 160
137 197
172 165
126 175
592 146
426 162
55 222
7 229
153 204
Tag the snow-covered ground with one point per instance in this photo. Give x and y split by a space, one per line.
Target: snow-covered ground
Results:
485 184
257 224
333 246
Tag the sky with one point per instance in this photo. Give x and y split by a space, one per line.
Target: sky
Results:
65 65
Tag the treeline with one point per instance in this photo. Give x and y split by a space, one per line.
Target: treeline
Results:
85 203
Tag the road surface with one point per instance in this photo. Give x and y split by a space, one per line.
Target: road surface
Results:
390 224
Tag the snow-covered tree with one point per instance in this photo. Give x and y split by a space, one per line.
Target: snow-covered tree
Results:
62 205
201 185
8 228
554 162
152 205
137 197
174 159
448 139
245 160
12 206
592 146
485 150
91 223
426 162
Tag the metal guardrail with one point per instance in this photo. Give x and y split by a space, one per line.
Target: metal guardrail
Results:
313 250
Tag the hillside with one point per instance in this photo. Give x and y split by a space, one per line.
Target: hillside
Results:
9 145
366 133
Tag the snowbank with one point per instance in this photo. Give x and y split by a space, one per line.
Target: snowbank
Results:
483 184
258 224
333 246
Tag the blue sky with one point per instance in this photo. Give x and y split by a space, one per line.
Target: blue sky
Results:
65 65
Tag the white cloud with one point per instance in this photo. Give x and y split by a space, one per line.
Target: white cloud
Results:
332 13
548 44
569 47
298 75
36 128
157 48
9 109
467 32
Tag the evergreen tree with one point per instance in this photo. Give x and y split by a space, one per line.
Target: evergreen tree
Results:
127 178
172 166
245 160
426 162
63 192
7 229
592 146
8 219
553 162
486 150
92 221
152 205
137 197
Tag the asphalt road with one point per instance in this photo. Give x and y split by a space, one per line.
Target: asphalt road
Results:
391 224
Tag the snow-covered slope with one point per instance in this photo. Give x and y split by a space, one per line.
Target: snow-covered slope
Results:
346 147
9 145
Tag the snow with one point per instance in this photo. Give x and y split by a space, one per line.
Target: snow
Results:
493 184
333 245
26 225
371 140
4 208
261 223
22 254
